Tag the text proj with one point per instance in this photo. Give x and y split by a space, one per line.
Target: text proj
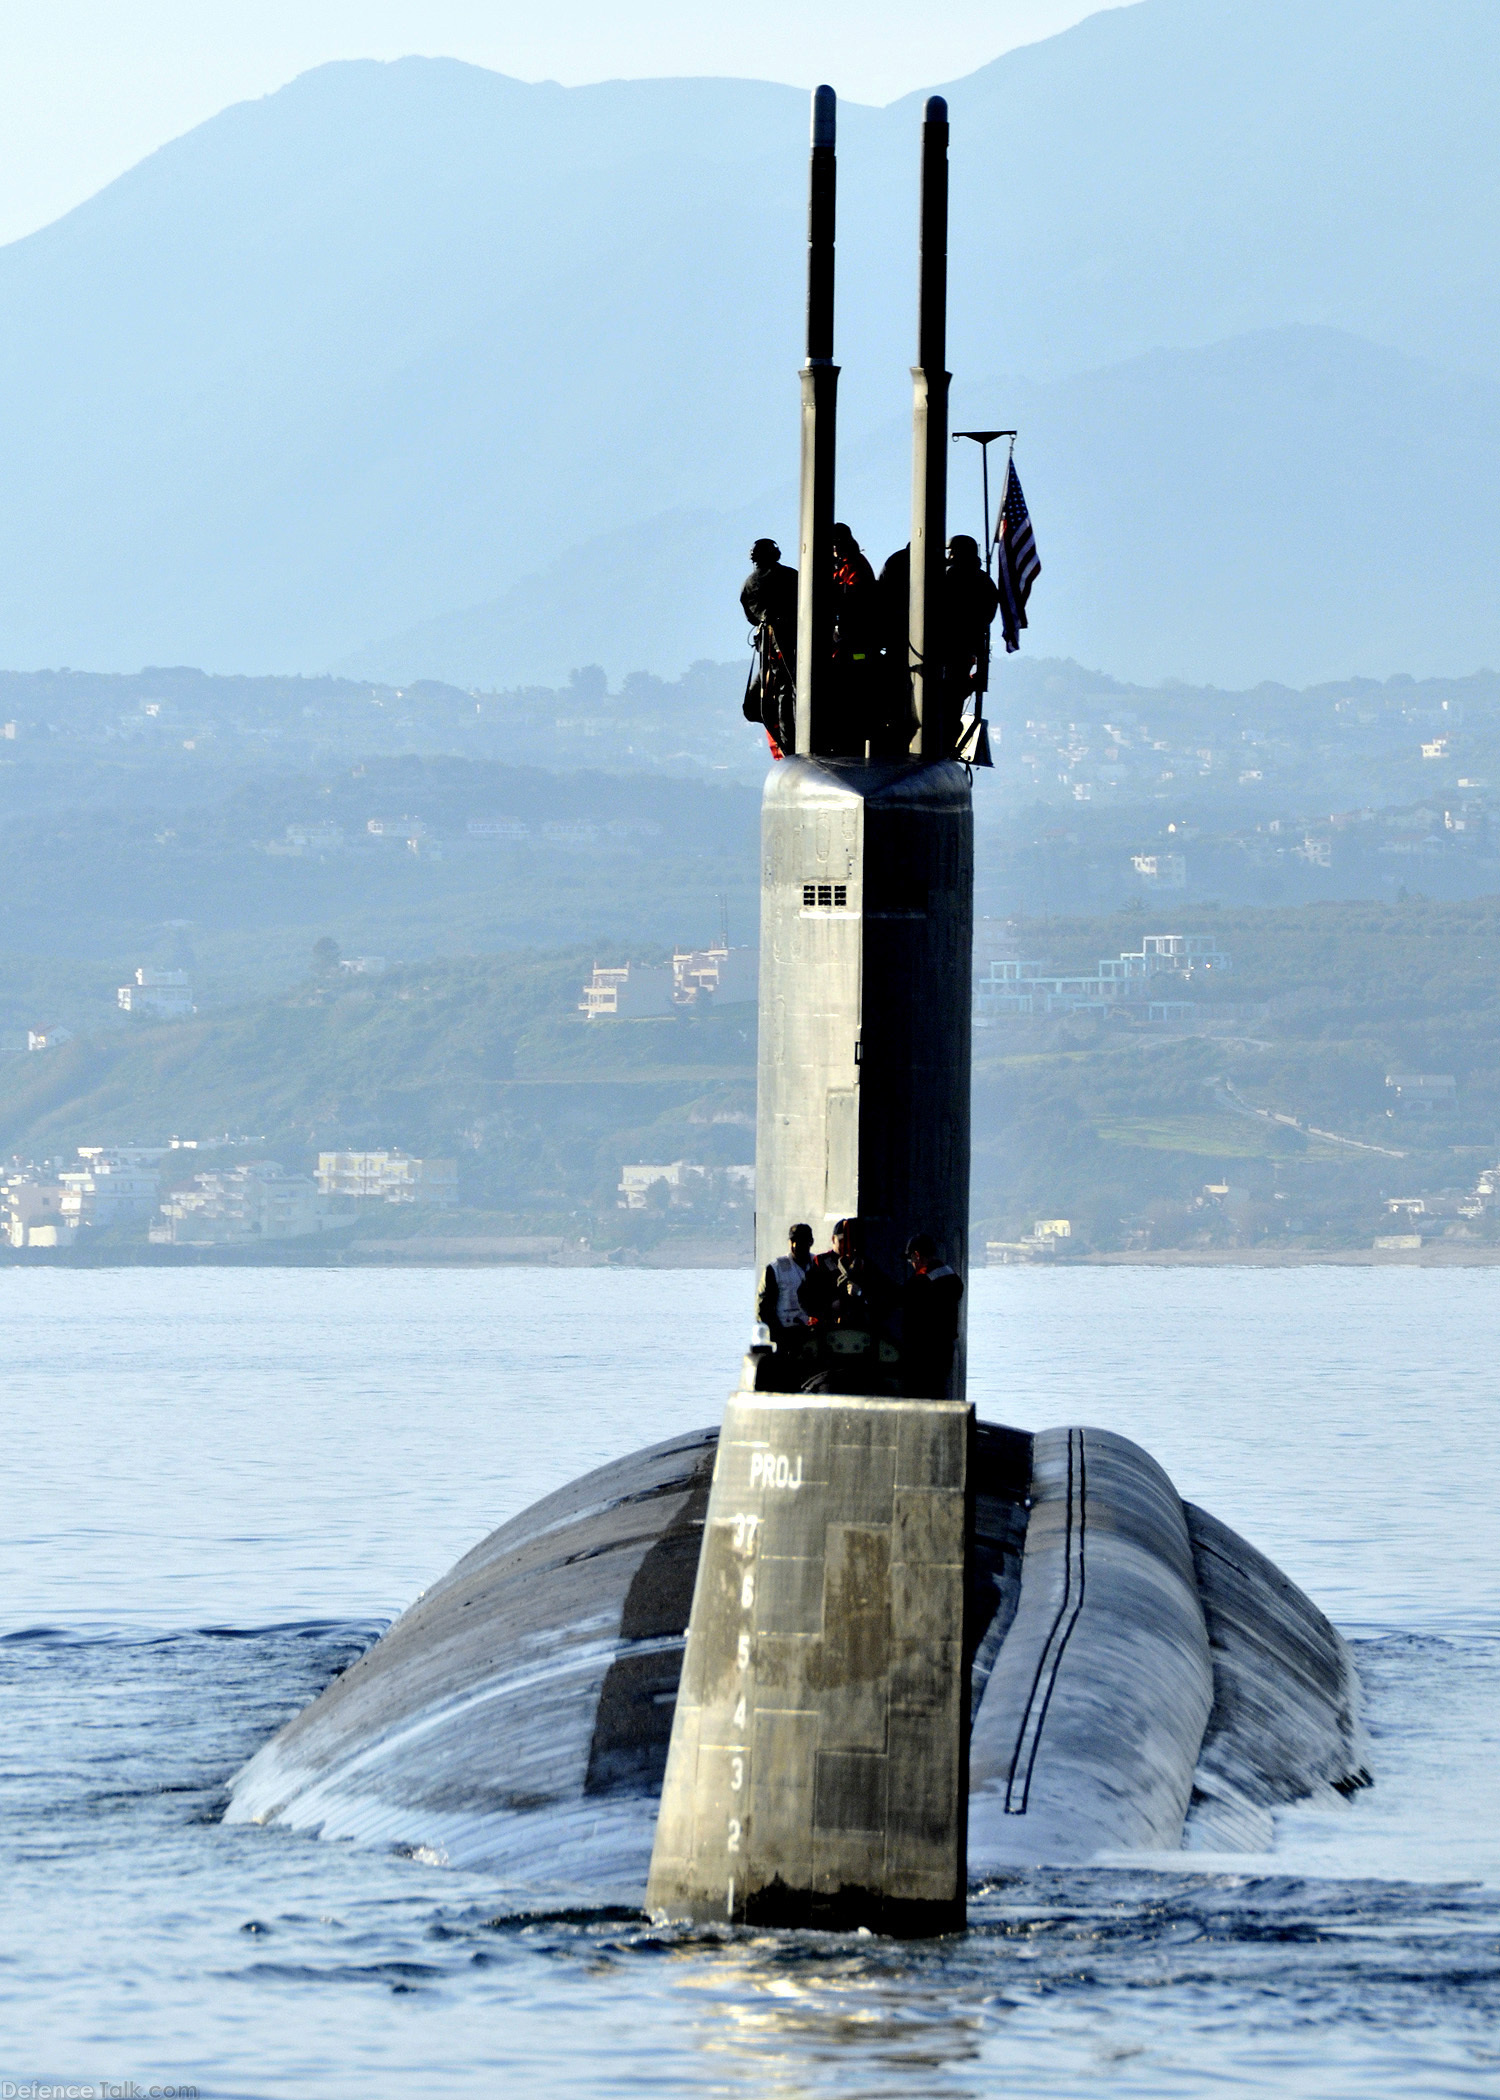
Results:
776 1469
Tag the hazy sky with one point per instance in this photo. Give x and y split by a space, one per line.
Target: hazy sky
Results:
88 87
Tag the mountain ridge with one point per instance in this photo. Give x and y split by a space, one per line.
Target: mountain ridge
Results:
1242 562
398 337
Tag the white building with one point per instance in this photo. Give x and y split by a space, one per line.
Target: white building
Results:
1161 871
1422 1091
32 1211
164 993
727 976
682 1178
1011 985
113 1182
630 991
695 977
308 838
679 1175
246 1206
510 828
1042 1243
47 1038
388 1177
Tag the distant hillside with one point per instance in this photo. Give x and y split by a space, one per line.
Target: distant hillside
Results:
1140 1143
388 343
483 1057
1225 514
1140 1135
222 825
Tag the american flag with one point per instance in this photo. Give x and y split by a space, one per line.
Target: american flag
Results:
1019 566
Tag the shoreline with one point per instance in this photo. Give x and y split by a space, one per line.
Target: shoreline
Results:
382 1254
1434 1257
477 1254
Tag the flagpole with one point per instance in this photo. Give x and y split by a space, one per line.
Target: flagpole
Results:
984 439
977 737
1009 463
984 468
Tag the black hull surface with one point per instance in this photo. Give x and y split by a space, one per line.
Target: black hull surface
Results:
1142 1679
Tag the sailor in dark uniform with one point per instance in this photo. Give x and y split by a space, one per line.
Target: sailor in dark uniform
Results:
891 734
972 602
856 648
929 1320
850 1303
768 598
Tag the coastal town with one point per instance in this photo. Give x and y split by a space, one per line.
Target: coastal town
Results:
1399 1175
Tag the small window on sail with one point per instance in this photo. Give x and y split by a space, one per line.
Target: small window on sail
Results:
825 896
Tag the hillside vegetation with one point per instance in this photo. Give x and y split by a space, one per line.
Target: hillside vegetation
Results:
1118 1127
1123 1130
486 1059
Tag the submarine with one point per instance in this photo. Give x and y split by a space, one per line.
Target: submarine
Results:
851 1651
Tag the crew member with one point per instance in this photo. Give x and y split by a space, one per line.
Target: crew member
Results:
929 1320
848 1301
892 734
856 645
780 1307
971 604
768 598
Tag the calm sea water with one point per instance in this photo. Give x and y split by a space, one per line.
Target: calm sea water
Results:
218 1485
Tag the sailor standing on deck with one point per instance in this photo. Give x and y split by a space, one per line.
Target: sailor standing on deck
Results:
972 602
891 735
856 645
929 1320
850 1303
780 1307
768 599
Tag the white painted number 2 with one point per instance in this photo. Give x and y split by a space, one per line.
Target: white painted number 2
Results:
734 1834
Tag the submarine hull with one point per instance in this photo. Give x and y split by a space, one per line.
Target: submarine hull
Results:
1141 1679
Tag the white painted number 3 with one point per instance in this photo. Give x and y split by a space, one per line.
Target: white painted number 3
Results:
736 1774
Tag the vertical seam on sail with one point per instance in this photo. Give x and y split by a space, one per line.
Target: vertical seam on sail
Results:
1028 1740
